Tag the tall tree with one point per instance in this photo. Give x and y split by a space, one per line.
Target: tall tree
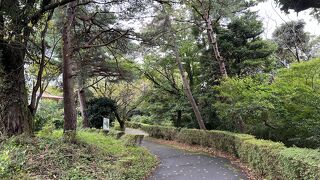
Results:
245 51
173 42
40 84
94 63
70 115
85 28
17 19
204 10
208 17
293 41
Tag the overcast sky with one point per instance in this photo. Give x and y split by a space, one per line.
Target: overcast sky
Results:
272 17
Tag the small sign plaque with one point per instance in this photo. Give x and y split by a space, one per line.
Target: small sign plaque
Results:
106 124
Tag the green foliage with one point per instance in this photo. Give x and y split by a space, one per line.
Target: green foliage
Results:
116 126
300 163
164 132
132 162
99 108
133 125
93 156
49 112
168 133
192 136
272 160
283 108
245 52
142 119
12 157
162 101
47 130
241 46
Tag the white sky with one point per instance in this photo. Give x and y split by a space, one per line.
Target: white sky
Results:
272 16
269 13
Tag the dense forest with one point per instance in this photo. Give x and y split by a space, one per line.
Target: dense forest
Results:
187 64
198 75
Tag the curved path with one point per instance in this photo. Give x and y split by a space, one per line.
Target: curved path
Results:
177 164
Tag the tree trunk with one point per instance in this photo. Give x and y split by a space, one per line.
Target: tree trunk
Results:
188 90
297 54
179 116
215 50
83 108
15 117
70 118
34 101
121 122
240 124
212 38
186 85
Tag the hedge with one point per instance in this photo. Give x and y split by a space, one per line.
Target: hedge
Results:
271 160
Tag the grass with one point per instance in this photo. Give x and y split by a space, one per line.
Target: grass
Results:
93 156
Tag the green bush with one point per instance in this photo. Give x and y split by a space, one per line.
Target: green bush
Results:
193 136
299 163
270 159
133 125
261 155
167 133
142 119
47 130
284 109
49 112
99 108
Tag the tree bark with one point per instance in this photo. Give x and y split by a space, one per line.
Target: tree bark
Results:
297 53
121 122
212 37
240 124
186 85
15 117
70 118
83 107
33 106
179 116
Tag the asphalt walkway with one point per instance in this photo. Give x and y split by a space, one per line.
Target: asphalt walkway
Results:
176 164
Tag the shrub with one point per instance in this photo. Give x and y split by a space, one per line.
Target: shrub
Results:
193 136
47 130
284 109
133 125
99 108
142 119
300 163
167 133
261 155
49 112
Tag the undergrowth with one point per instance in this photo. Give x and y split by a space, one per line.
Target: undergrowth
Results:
93 156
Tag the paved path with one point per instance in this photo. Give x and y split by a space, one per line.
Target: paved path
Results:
177 164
